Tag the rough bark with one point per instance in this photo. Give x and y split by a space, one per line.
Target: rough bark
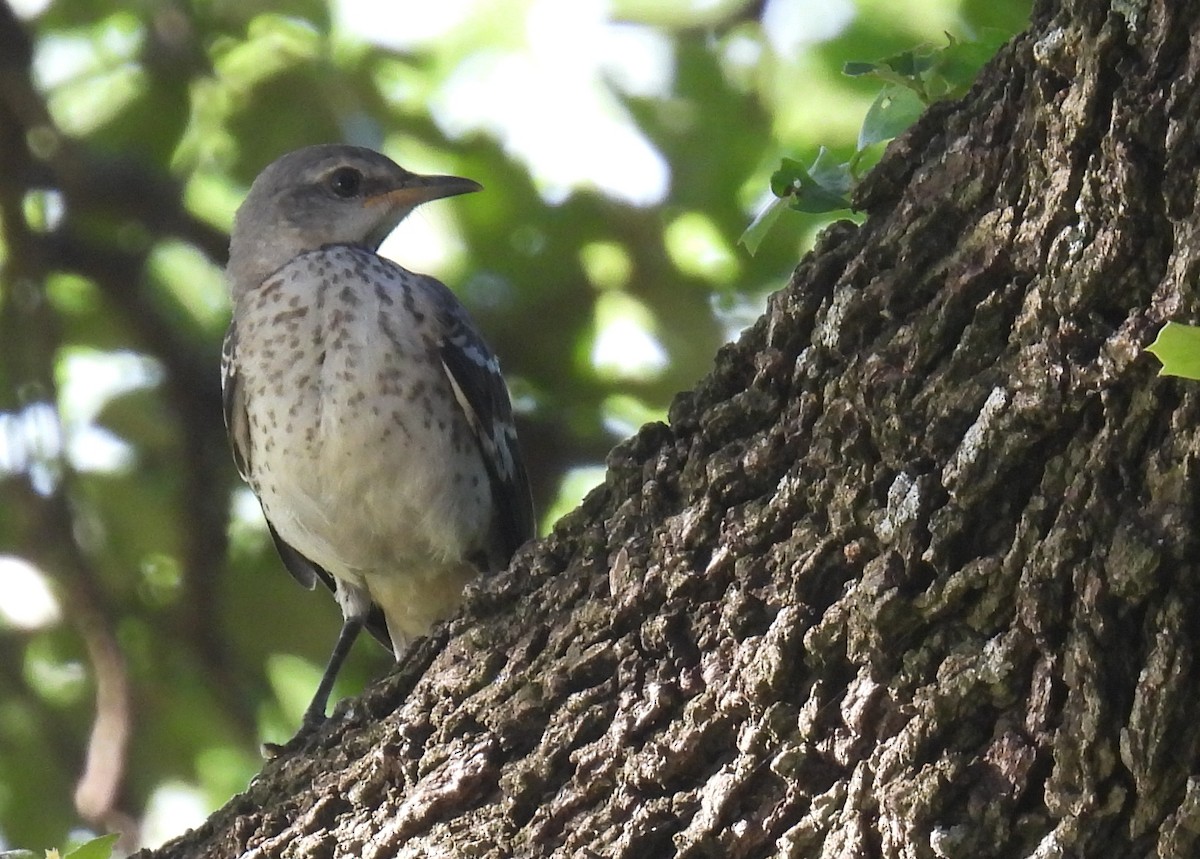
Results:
912 573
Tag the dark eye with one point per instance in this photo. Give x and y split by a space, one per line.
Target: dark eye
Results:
345 181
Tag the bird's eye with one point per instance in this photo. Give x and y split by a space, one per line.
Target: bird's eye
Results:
345 181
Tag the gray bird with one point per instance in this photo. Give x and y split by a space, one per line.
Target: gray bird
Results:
362 404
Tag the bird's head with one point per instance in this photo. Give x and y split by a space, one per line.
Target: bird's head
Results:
322 195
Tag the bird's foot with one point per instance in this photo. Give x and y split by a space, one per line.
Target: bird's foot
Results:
308 726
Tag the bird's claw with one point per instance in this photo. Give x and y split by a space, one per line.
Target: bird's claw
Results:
308 726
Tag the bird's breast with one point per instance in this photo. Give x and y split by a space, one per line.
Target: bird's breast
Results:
360 453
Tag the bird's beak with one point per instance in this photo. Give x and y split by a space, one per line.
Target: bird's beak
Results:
421 189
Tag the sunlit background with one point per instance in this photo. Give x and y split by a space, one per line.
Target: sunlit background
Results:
623 146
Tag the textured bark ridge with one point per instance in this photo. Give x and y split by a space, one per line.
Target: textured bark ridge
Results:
912 573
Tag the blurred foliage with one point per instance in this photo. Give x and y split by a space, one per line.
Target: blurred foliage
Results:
624 150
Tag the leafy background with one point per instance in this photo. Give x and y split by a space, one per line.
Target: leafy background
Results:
149 639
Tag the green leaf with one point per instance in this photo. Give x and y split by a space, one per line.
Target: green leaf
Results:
913 63
1178 348
857 69
822 187
762 223
825 186
894 110
961 60
931 73
97 848
906 69
913 79
788 177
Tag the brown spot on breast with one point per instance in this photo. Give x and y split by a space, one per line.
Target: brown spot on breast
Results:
285 316
269 286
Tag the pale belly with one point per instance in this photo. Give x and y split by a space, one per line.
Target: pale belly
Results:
366 497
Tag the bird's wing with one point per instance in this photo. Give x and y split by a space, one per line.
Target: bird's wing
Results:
233 401
237 424
474 374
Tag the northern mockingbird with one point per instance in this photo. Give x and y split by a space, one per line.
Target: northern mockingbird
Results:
363 406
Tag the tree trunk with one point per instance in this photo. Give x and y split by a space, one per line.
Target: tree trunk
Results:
912 573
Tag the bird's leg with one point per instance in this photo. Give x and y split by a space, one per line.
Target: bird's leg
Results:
315 714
